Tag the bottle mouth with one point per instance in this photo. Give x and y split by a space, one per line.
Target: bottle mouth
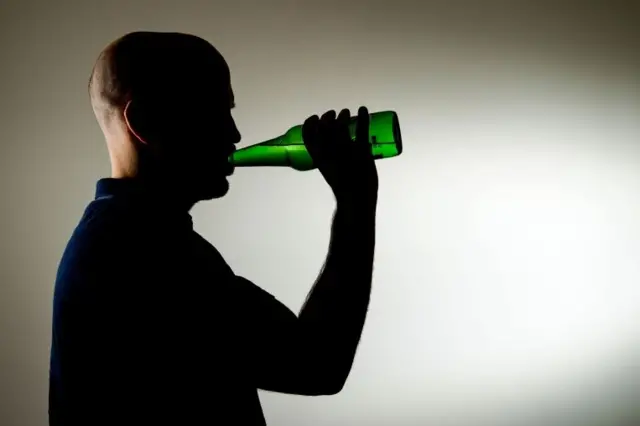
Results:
397 135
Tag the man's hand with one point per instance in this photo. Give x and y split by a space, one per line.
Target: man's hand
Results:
312 354
347 165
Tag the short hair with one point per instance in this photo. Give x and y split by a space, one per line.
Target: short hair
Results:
148 64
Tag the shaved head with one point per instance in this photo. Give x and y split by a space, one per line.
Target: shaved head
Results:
163 101
149 65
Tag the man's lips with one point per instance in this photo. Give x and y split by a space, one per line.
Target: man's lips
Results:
229 169
229 166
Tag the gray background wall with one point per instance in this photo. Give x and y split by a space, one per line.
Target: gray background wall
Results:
506 280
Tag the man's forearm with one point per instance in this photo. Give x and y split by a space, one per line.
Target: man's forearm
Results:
334 313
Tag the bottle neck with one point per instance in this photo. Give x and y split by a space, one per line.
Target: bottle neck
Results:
267 153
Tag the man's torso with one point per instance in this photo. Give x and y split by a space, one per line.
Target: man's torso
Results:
145 324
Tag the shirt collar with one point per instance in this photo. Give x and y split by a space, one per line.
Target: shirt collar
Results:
111 187
134 190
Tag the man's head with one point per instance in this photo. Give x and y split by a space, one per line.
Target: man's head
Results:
163 102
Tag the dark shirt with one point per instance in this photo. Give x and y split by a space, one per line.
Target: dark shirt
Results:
148 322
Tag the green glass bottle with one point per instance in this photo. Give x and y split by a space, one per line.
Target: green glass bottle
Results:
288 150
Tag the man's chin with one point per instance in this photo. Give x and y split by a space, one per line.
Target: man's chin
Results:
215 190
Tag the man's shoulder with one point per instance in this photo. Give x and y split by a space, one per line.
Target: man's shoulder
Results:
108 213
87 249
104 227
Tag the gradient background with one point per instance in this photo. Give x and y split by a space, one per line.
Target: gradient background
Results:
507 265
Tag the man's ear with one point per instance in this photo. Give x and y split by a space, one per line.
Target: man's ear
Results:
135 121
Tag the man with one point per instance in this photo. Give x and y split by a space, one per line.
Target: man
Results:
150 325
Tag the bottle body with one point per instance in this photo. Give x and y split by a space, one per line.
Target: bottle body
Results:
288 150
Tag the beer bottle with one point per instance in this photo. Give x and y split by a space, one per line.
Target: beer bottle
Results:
288 149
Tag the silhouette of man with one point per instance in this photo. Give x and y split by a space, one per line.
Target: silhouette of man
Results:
150 324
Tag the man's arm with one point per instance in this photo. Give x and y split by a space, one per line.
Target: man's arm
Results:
335 310
312 354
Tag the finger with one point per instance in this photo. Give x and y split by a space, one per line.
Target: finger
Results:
344 119
310 129
328 129
362 127
310 134
329 116
344 116
327 124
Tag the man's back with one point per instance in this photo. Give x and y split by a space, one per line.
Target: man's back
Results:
145 327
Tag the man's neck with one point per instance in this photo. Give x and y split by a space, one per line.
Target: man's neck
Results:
167 192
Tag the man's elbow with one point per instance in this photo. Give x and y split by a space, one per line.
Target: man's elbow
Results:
329 384
326 369
326 388
333 377
335 388
319 381
307 381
